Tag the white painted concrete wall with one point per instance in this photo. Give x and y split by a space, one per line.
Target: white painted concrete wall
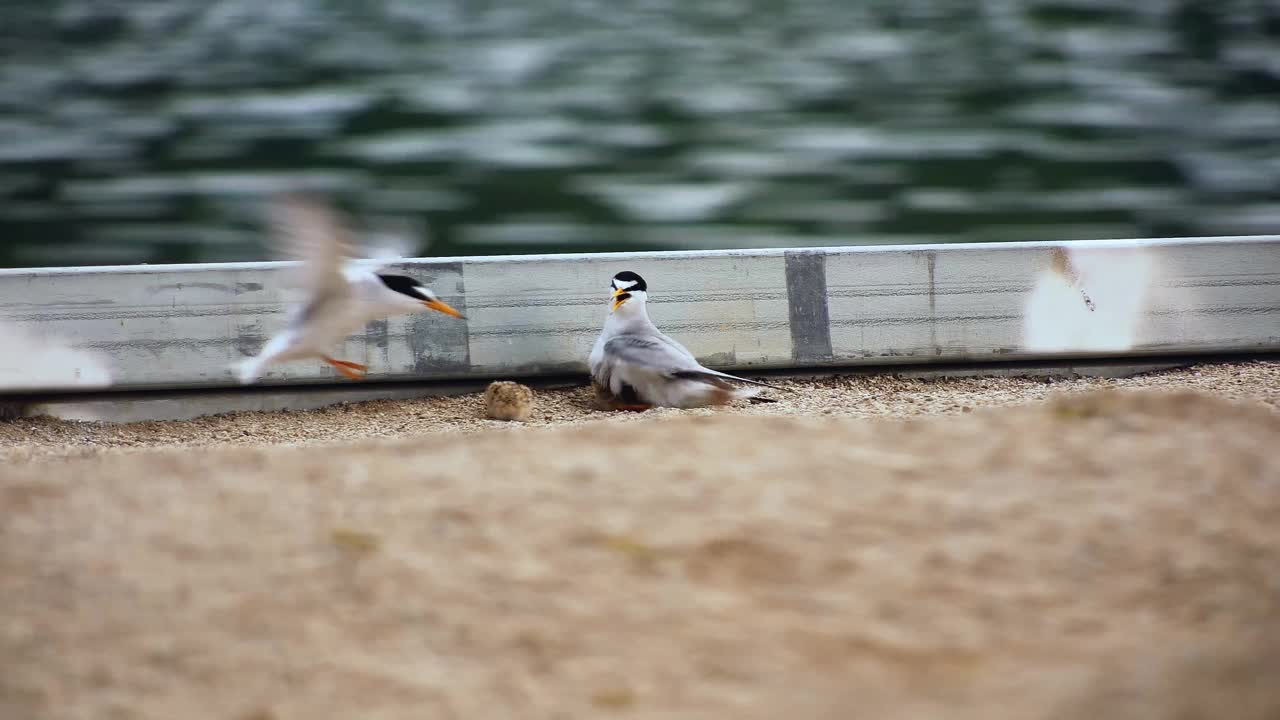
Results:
187 326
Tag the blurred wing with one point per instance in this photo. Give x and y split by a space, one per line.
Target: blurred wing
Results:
31 359
391 243
311 233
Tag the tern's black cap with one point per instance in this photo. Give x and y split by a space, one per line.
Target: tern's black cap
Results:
630 281
402 284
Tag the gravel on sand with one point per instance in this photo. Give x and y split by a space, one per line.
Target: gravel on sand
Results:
1094 554
857 396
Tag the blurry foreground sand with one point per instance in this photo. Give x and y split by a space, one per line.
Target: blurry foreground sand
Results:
1104 554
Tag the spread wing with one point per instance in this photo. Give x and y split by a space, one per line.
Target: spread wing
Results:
391 243
661 356
307 231
318 236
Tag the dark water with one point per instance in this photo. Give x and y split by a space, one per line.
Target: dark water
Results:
150 130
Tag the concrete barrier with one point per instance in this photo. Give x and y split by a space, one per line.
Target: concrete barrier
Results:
186 326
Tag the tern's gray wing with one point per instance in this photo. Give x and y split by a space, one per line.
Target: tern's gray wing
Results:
307 231
316 308
648 352
654 354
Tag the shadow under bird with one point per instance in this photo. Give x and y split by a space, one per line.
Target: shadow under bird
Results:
343 294
634 366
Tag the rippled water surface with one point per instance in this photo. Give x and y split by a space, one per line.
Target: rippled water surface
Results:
151 130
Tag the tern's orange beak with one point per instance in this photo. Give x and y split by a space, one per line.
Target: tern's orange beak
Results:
619 297
441 306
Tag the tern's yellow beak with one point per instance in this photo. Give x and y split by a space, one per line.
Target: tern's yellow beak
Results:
619 297
441 306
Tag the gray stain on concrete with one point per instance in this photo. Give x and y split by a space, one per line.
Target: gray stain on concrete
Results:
440 343
807 305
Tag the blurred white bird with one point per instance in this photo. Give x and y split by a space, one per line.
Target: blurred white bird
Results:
634 366
344 295
32 359
1088 300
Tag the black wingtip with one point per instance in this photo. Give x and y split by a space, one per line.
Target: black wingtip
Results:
761 383
699 374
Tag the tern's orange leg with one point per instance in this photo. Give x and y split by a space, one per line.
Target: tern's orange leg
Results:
349 370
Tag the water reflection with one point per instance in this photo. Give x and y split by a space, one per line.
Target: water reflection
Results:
149 131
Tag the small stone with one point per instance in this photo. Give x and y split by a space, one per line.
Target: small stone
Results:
506 400
355 540
614 698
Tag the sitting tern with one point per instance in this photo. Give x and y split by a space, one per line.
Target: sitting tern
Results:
634 366
343 294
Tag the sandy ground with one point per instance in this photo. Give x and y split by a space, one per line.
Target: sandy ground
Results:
869 548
